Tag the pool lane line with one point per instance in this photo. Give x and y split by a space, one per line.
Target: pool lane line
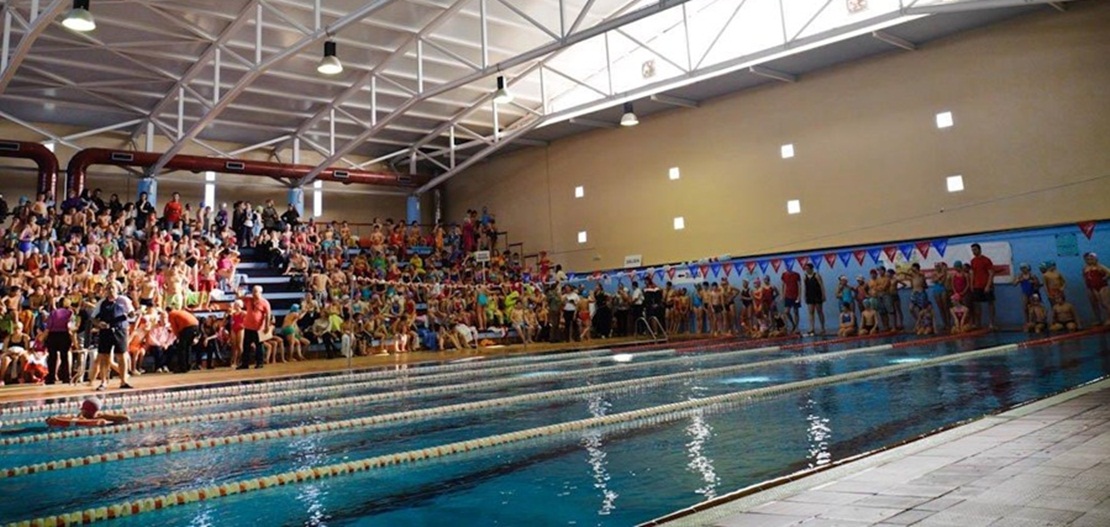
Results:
361 399
388 375
661 413
252 385
420 414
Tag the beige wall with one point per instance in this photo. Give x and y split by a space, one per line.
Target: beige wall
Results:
1032 140
341 202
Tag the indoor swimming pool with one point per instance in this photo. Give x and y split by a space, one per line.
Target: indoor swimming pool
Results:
599 437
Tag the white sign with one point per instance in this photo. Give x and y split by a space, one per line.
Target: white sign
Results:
481 256
633 260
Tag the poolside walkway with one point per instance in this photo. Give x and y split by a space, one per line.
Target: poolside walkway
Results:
1047 463
23 392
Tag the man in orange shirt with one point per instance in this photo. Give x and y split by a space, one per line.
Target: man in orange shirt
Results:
186 327
257 319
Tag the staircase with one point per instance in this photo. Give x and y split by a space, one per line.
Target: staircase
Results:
279 290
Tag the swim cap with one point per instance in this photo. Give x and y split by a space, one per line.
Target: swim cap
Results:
1090 255
958 263
1050 263
90 406
294 308
1024 266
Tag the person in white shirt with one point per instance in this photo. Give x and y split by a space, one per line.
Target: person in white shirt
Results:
637 300
570 308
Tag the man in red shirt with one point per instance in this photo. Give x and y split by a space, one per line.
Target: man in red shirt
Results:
790 295
982 285
173 211
255 320
185 327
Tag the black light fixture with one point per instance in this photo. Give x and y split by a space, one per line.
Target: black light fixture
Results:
629 117
502 95
330 65
79 18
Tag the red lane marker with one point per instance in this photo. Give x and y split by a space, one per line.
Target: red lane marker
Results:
1064 337
940 338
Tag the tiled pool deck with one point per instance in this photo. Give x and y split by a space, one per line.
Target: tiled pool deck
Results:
1047 463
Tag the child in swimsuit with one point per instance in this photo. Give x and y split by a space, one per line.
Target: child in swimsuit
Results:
847 321
1036 316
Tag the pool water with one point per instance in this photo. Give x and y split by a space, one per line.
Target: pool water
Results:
609 475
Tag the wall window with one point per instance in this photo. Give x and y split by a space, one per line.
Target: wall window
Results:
787 151
210 189
673 173
944 119
955 183
794 206
679 223
581 236
579 191
317 198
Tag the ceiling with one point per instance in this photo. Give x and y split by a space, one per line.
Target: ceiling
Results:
419 74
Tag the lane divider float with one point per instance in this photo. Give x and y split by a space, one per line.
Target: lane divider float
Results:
662 413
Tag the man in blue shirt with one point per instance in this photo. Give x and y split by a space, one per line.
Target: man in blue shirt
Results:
112 323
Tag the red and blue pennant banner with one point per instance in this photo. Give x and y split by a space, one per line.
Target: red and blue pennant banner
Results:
704 268
906 249
941 246
1087 228
923 248
875 253
750 264
830 258
891 252
815 260
693 269
715 268
763 266
777 264
846 257
727 266
860 254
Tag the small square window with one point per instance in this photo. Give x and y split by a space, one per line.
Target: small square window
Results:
579 191
788 151
679 223
955 183
674 173
794 206
210 176
581 236
944 119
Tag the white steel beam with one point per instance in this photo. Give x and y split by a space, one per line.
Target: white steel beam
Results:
592 123
674 101
517 60
260 69
897 42
36 28
974 5
764 71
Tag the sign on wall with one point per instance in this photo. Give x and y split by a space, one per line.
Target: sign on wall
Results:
633 260
1067 245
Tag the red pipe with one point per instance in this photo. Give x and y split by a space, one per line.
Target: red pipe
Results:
81 161
42 156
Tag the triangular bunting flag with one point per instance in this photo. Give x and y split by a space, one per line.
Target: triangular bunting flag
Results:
658 275
776 264
763 266
830 258
923 248
875 253
670 272
940 246
802 260
704 270
789 263
891 252
860 254
1088 228
750 264
716 268
727 266
816 261
693 270
845 257
906 249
